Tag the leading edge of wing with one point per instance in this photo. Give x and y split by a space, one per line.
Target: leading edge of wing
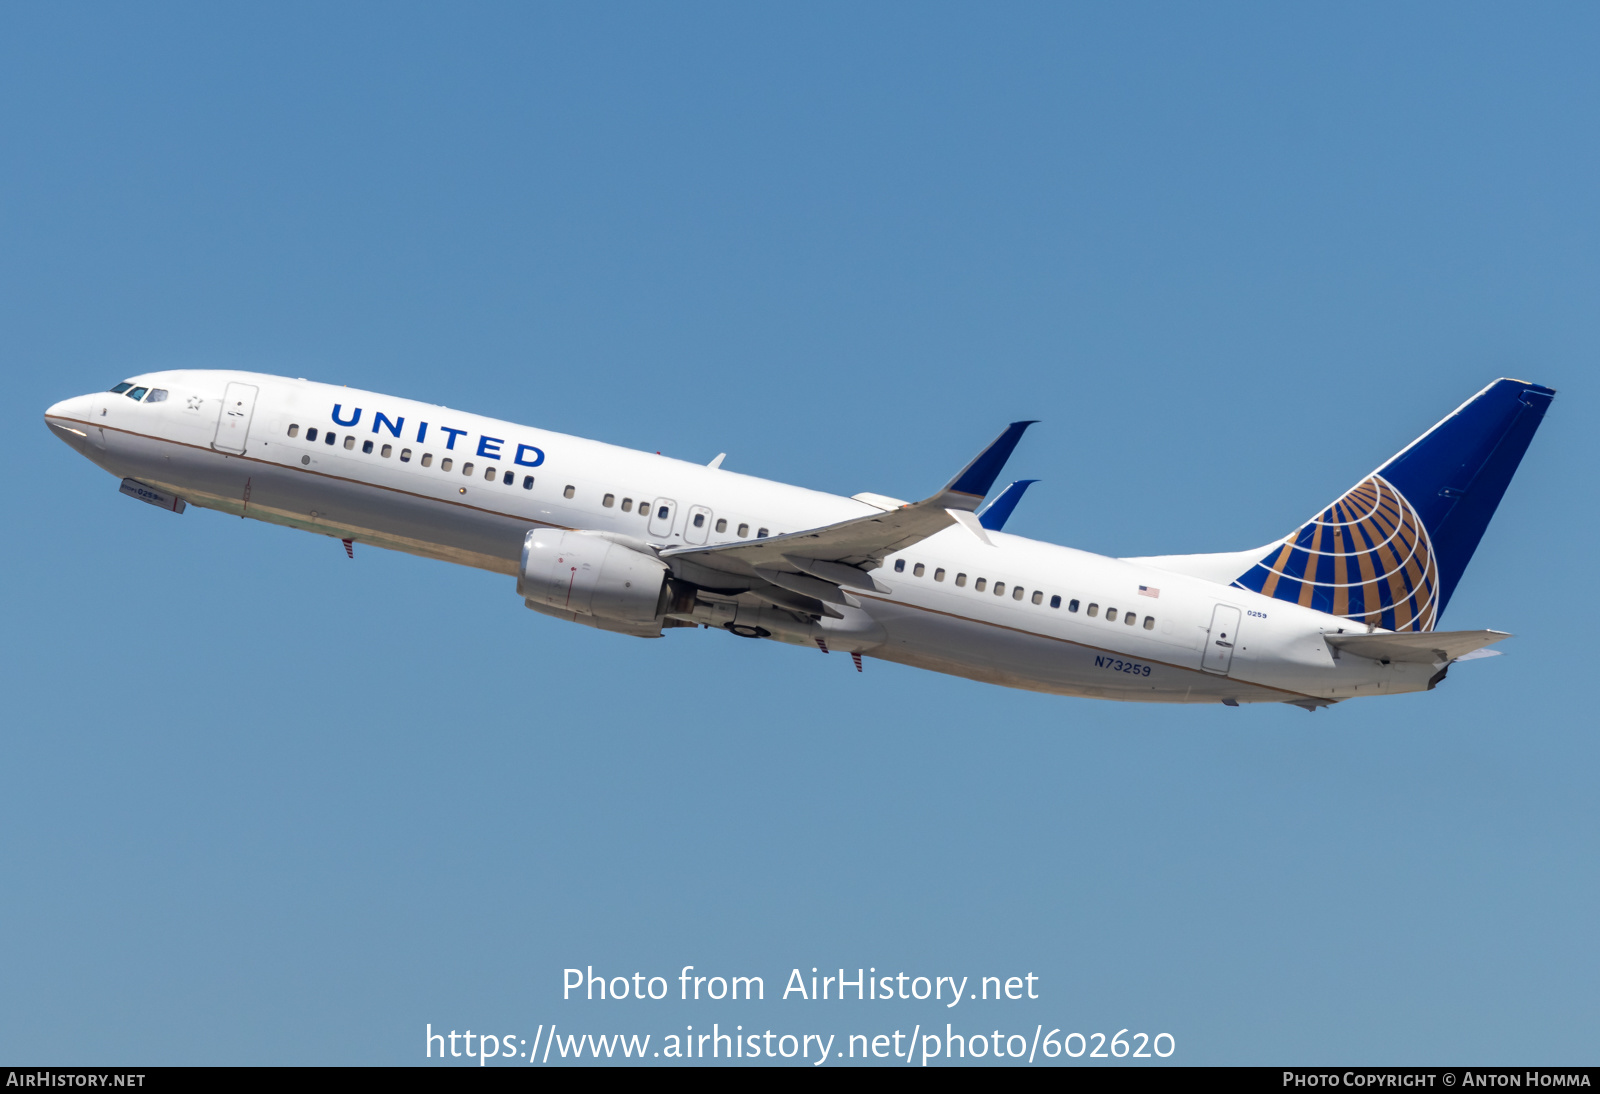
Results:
865 541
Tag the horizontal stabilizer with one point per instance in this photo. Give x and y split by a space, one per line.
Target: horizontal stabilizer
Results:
1429 647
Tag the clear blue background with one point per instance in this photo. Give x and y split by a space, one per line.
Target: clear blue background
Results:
264 804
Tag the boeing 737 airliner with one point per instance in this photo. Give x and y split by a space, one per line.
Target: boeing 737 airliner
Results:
1345 605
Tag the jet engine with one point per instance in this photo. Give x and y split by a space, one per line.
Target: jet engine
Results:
589 575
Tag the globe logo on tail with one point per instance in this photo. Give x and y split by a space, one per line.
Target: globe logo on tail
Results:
1367 557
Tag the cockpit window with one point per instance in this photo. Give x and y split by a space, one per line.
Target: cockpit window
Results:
157 395
137 393
120 388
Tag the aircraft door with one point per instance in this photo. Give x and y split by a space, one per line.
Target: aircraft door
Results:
698 526
662 513
233 426
1220 642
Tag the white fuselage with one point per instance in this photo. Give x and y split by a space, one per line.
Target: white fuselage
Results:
952 606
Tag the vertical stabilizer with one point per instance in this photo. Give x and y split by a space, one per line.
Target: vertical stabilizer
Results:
1391 551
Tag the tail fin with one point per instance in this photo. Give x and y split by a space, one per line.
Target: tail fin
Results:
1392 549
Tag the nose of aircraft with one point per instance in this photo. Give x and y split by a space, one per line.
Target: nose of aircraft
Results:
69 419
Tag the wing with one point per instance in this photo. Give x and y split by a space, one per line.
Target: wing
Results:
813 564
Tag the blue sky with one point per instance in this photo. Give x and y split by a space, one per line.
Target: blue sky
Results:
264 804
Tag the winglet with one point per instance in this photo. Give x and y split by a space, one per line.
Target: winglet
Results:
979 475
994 515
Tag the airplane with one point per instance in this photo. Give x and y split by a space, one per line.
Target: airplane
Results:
1346 605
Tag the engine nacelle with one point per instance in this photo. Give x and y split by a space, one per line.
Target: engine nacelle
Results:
590 575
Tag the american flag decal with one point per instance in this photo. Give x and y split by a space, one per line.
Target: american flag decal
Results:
1148 590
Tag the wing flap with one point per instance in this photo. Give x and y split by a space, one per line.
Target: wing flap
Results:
805 585
837 572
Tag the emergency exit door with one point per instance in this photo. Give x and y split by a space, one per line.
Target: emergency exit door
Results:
662 512
1221 640
698 527
233 427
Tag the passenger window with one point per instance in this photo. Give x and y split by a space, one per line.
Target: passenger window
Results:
609 500
405 455
294 431
120 388
527 482
981 584
427 459
1131 618
761 533
311 434
627 505
445 464
1038 597
1149 622
330 437
938 575
466 469
899 565
157 395
699 520
350 442
1111 615
662 514
1072 607
917 570
137 393
569 491
508 478
386 451
1092 610
999 588
722 524
961 581
744 531
366 446
1055 602
490 474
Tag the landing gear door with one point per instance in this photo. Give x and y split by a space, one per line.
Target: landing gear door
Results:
662 513
1221 640
233 427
